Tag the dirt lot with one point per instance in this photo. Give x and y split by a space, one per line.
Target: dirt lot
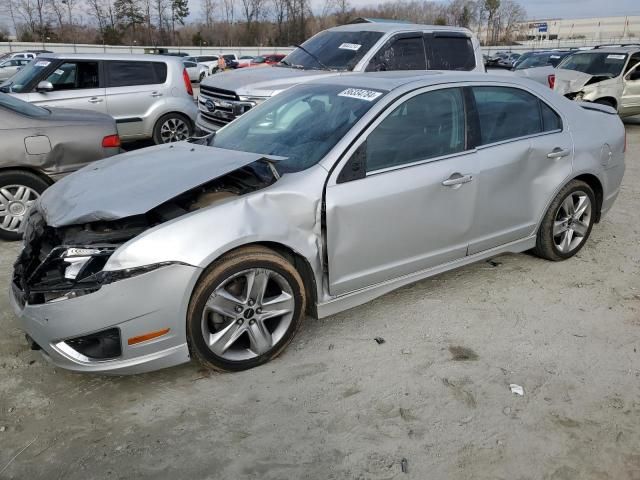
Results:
338 405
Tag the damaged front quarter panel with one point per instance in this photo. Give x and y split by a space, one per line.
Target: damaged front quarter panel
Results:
278 214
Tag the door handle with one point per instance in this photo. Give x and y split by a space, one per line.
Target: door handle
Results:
457 179
95 100
156 94
559 153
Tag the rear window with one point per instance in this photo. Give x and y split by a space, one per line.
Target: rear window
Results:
125 73
450 52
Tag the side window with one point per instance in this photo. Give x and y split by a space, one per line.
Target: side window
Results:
633 61
449 52
125 73
190 64
550 119
399 54
506 113
75 75
428 125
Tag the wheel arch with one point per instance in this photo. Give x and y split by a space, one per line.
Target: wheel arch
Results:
34 171
596 186
299 262
610 100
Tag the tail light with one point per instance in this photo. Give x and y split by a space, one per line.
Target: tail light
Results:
552 81
111 141
187 82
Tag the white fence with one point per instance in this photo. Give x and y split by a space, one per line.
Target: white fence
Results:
209 50
86 48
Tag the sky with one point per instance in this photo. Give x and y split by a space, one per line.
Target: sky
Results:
536 9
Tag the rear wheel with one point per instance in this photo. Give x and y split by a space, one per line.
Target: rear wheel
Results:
202 75
172 127
568 222
18 192
245 309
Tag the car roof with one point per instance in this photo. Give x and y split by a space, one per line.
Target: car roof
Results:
393 27
396 79
610 50
111 56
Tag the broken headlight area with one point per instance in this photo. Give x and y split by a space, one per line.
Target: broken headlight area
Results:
575 96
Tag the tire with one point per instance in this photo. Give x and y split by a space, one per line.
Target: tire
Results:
227 329
18 191
172 127
202 77
571 229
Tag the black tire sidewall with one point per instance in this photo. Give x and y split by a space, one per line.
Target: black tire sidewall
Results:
194 330
157 138
26 179
553 211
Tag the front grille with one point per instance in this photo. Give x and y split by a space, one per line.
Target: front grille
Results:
219 106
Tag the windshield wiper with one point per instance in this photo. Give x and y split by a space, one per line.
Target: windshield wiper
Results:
287 64
314 57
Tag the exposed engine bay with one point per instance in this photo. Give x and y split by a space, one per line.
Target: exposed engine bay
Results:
67 261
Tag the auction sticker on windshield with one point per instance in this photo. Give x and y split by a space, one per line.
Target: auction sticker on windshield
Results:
360 94
350 46
42 63
616 57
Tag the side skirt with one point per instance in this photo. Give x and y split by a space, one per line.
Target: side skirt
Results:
359 297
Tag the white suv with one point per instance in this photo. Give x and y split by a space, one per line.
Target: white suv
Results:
149 96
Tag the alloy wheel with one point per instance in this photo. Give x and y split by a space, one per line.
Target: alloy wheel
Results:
248 314
15 201
174 130
572 222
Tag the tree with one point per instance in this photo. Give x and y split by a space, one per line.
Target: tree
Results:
491 6
128 14
179 11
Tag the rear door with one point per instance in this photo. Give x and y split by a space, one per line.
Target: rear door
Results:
133 87
413 205
76 84
524 155
449 51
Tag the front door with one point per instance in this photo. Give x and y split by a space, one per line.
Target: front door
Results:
414 207
630 102
76 84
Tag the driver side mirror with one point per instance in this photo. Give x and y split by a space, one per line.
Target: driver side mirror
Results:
44 86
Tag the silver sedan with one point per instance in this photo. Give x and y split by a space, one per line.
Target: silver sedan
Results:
324 197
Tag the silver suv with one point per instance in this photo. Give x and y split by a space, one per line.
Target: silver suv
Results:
361 47
149 96
605 75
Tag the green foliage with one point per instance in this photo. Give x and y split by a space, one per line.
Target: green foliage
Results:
128 13
180 10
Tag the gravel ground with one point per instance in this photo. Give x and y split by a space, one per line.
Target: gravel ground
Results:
339 405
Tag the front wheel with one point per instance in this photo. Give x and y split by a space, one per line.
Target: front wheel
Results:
18 191
172 127
568 222
245 309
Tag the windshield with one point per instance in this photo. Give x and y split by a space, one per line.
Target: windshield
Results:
592 63
24 76
334 49
301 124
19 106
534 61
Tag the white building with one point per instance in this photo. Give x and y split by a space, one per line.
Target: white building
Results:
585 30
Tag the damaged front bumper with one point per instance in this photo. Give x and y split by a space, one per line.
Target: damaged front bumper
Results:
127 309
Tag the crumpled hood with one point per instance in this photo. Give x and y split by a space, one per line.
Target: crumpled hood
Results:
136 182
262 81
570 81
